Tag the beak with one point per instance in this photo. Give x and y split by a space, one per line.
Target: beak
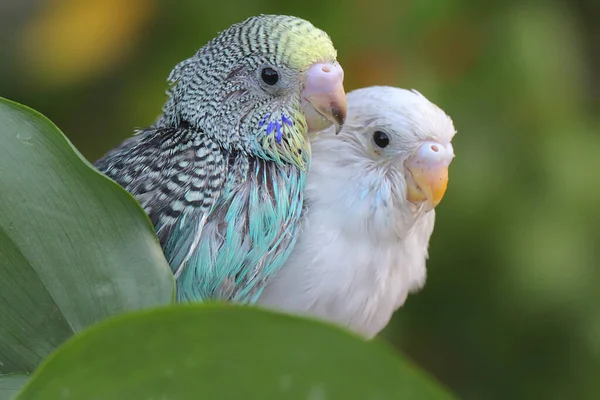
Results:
323 97
427 173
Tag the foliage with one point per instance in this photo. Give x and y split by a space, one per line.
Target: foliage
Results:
224 352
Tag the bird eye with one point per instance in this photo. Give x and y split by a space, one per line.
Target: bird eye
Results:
381 139
269 76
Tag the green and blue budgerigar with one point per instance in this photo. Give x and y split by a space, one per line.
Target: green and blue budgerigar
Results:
221 172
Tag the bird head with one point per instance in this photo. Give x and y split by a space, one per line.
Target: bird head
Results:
261 87
397 143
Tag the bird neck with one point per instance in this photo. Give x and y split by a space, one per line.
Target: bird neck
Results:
361 201
282 137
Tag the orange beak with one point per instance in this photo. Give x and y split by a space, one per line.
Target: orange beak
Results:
427 174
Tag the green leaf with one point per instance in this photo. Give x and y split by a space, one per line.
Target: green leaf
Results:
10 385
75 247
224 352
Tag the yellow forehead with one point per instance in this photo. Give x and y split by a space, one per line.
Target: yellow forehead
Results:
297 43
305 45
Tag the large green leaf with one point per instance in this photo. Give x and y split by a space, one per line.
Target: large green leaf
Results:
10 385
75 248
224 352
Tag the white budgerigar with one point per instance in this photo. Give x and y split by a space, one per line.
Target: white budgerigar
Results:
369 211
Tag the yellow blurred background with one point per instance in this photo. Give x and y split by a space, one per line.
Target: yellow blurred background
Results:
511 308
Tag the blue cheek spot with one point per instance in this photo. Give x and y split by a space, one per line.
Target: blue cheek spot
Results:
264 120
276 126
279 132
286 120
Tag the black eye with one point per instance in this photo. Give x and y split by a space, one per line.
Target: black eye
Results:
381 139
269 76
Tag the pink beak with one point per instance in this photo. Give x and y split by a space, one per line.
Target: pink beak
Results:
323 97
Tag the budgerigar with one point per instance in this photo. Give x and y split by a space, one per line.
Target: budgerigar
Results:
369 212
221 172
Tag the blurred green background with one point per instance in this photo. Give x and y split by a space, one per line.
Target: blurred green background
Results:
511 305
